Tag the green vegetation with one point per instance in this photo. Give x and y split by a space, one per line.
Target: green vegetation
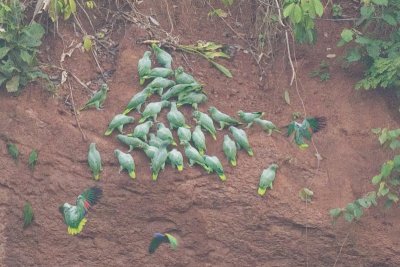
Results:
337 11
322 72
18 47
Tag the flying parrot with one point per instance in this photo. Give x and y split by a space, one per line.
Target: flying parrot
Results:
176 159
159 238
142 130
175 118
267 178
136 102
144 66
163 58
157 73
126 162
230 151
132 142
266 125
193 99
199 140
97 99
205 122
74 216
222 118
306 129
165 134
118 122
215 165
184 135
182 77
249 117
241 139
94 161
152 110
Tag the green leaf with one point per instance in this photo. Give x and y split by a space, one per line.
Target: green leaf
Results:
33 156
218 12
389 19
383 189
396 161
13 150
371 196
319 8
395 181
335 212
31 35
72 5
363 202
394 144
306 194
358 212
347 35
13 84
227 2
376 130
26 57
87 43
387 168
367 11
297 14
4 51
348 216
377 179
222 69
287 11
380 2
216 54
393 196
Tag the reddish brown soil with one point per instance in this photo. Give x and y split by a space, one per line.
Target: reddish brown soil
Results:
217 224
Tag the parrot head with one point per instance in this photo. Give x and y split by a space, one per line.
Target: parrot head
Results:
104 88
179 70
165 103
160 125
274 167
61 209
92 146
117 152
147 54
212 110
240 112
196 114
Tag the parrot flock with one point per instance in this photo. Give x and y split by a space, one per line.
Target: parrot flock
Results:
156 145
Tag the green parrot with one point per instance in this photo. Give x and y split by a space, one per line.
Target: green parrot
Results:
306 129
74 216
154 140
176 159
94 161
152 110
165 134
266 126
181 90
98 98
163 58
144 66
136 102
194 157
222 118
142 130
241 139
175 118
159 238
215 165
266 179
126 162
13 151
249 117
158 161
183 78
158 85
199 140
157 72
230 151
118 122
205 122
28 215
150 151
192 98
184 135
132 142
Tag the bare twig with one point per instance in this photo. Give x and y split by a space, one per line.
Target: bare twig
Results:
341 248
169 17
75 113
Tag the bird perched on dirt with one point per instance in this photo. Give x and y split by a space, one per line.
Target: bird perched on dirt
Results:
136 102
132 142
175 118
241 139
215 165
118 122
98 98
74 216
267 126
230 151
126 162
157 73
27 214
181 90
199 140
162 57
184 135
193 99
222 118
249 117
194 157
154 140
158 85
176 159
267 178
13 151
306 129
150 151
144 66
142 130
159 159
182 77
165 134
94 161
159 238
152 110
205 122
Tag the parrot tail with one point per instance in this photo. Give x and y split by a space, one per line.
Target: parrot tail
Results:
97 176
180 167
173 143
77 230
126 111
108 132
132 174
141 81
250 152
154 176
317 123
303 146
233 162
142 120
222 177
262 191
201 151
214 137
